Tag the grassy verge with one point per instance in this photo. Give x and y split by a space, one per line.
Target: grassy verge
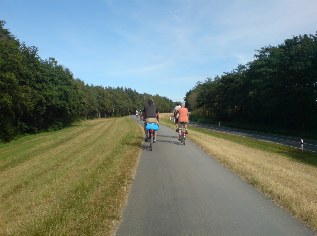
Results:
68 182
286 175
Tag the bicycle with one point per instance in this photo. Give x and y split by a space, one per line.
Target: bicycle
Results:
182 131
151 128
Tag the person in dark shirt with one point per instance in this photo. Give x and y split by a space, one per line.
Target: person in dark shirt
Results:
150 115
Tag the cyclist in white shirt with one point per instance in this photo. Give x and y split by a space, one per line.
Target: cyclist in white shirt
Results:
175 114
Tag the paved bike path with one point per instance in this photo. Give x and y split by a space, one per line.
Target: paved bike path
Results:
179 190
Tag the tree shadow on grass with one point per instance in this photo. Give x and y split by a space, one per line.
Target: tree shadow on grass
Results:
298 155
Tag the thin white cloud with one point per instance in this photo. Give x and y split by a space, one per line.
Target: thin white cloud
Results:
154 68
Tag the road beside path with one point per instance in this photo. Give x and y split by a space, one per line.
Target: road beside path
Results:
180 190
295 142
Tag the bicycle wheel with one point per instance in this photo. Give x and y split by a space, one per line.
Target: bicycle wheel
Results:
183 134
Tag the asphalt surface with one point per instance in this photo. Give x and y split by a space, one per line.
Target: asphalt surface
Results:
295 142
180 190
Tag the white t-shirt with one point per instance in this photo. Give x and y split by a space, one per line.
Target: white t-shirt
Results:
176 109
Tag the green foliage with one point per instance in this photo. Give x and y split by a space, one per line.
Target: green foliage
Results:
278 88
38 95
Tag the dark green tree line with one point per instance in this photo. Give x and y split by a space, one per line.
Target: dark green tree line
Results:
38 94
278 88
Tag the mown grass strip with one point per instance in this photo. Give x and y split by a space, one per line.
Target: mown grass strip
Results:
295 154
68 182
288 176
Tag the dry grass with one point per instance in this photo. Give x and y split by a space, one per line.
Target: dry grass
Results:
68 182
280 174
76 181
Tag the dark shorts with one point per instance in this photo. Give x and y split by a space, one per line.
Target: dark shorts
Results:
182 123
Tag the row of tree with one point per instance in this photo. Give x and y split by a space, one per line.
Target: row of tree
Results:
38 94
278 88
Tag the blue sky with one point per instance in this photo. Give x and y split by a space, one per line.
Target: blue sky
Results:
155 46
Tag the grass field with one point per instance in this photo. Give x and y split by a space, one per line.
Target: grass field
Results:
69 182
286 175
75 181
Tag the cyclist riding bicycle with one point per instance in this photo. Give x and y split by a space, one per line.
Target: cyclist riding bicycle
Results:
183 118
150 115
175 115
